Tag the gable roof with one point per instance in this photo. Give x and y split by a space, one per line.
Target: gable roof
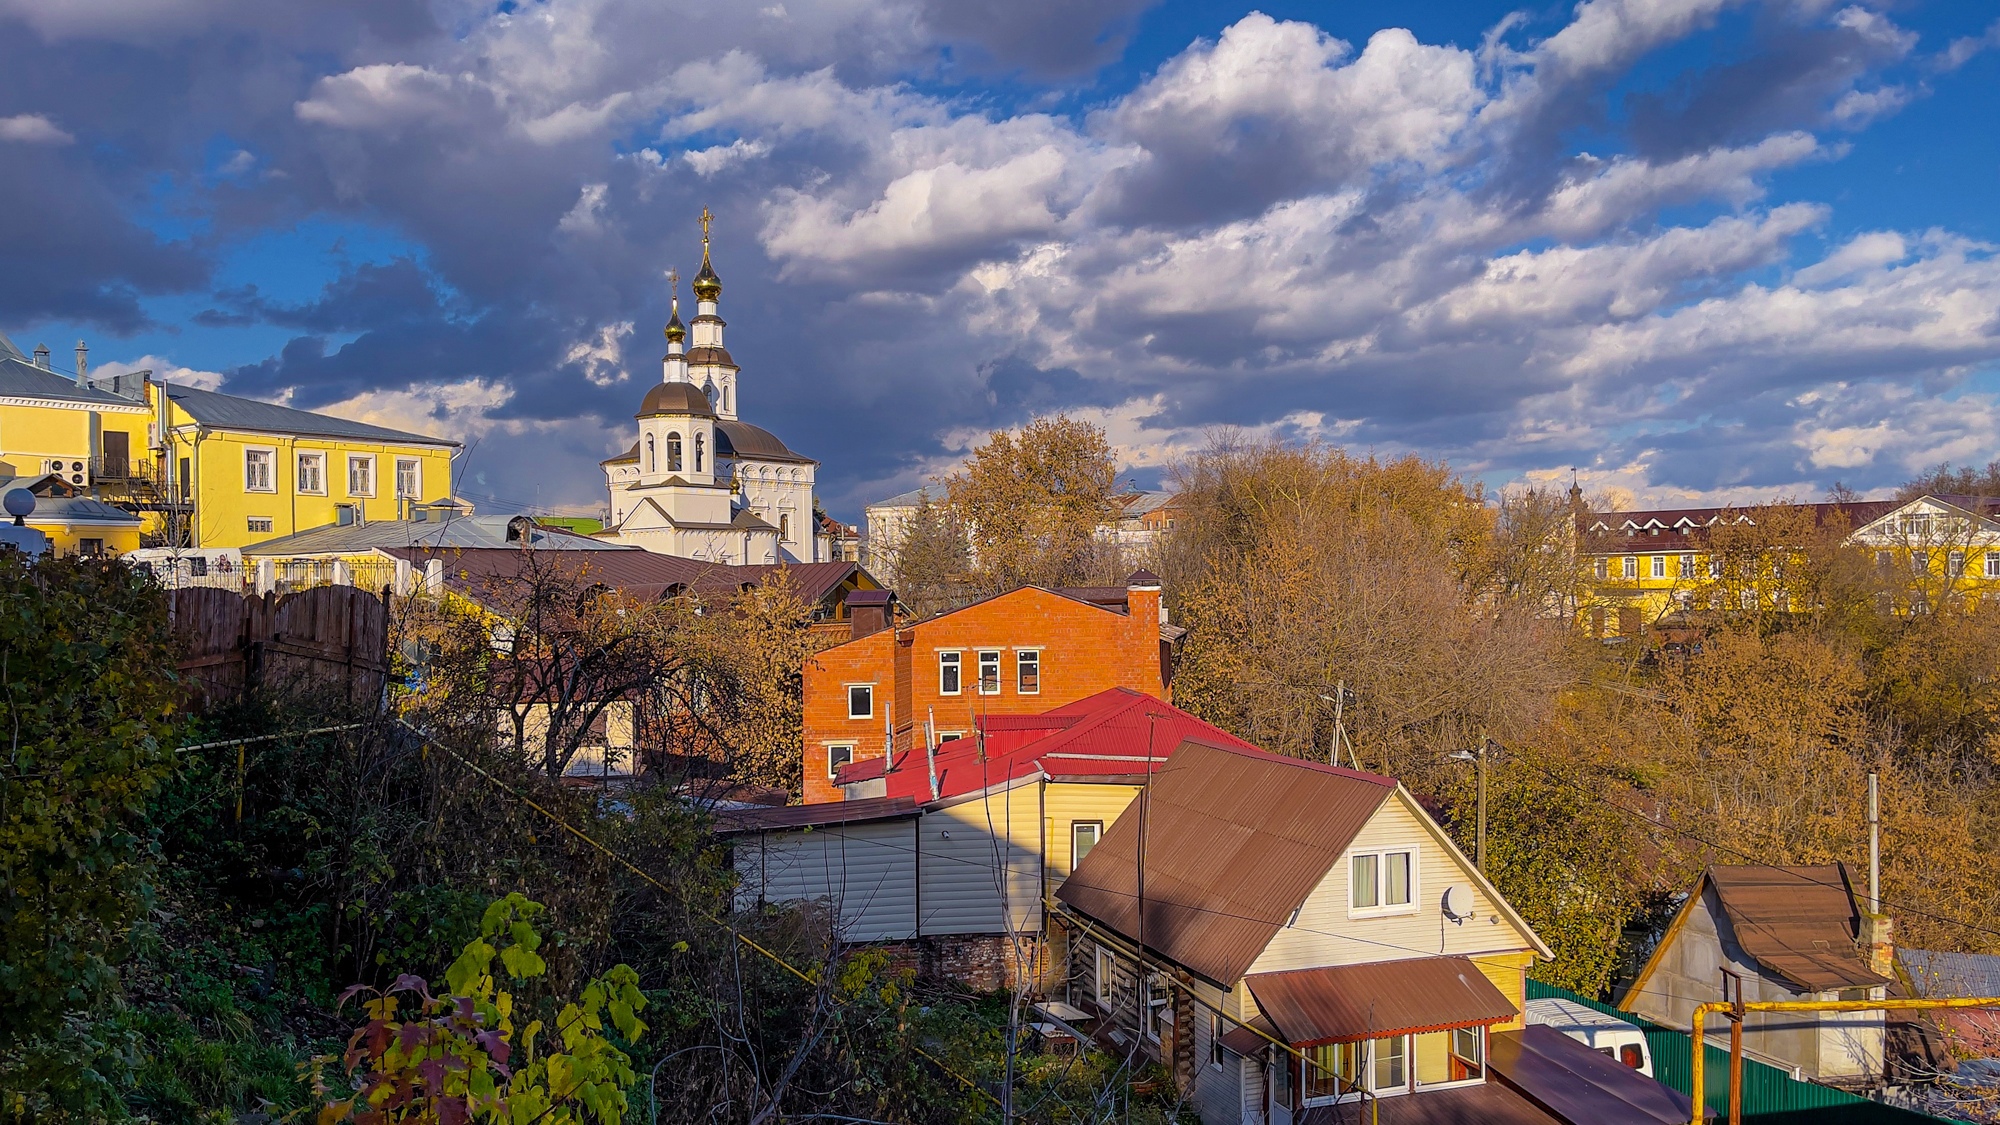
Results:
20 378
640 573
1799 923
1235 841
459 533
233 412
914 497
1117 733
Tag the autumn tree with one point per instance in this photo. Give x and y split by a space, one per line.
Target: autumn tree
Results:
1034 504
934 569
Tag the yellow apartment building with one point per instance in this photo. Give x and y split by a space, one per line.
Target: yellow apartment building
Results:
1641 567
246 471
197 468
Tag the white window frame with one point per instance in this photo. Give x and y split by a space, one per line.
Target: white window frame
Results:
1659 566
979 666
1030 656
1993 564
416 467
270 468
354 459
956 664
1106 970
1097 826
1954 566
1214 1041
1365 1068
833 767
1382 908
1630 568
1151 980
870 689
318 459
270 525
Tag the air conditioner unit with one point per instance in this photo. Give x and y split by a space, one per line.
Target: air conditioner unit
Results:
75 470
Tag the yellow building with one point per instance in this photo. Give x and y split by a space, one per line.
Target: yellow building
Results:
254 471
201 468
63 438
1642 568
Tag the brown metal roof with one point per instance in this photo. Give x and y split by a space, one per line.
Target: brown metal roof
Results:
1578 1084
478 572
675 398
817 816
1235 841
1246 1039
1488 1103
1345 1003
1798 923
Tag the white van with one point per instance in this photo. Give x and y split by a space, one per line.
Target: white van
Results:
1607 1035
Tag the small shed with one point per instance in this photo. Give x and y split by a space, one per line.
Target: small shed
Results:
1790 933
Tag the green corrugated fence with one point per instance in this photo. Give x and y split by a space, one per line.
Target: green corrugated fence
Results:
1770 1095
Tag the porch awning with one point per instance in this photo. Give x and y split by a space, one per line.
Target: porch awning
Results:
1244 1040
1352 1002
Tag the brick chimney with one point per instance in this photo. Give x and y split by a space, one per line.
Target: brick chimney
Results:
1142 605
1878 941
870 611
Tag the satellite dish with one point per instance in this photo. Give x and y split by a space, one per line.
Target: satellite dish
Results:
19 501
1458 903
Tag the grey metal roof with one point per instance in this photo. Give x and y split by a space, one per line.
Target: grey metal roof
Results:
232 412
63 509
21 377
932 492
1940 973
754 443
465 531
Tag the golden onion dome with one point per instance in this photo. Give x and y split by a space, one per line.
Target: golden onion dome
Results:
707 286
676 331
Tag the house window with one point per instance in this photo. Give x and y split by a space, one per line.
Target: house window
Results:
1158 1000
312 474
1602 568
989 672
1442 1058
674 452
1083 836
1631 566
1214 1041
1382 881
1659 566
861 701
260 524
784 525
1993 564
1332 1071
1714 567
836 757
90 548
1955 564
360 476
1028 672
1107 965
1392 1069
948 673
1689 568
409 478
257 474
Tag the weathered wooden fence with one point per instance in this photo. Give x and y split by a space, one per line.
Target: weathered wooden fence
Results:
324 638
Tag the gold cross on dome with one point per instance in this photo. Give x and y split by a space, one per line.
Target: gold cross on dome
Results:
674 280
706 218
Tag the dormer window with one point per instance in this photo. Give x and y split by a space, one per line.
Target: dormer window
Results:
674 452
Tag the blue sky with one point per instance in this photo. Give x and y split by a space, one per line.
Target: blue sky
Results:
1695 249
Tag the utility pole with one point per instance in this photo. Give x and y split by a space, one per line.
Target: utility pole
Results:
1477 756
1874 846
1341 697
1732 992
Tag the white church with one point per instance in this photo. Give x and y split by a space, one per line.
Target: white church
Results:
699 482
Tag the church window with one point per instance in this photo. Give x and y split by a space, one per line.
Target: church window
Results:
784 526
673 453
697 452
649 453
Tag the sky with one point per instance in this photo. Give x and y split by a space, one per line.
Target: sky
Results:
1688 250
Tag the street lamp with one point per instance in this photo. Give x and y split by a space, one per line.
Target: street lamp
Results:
1477 756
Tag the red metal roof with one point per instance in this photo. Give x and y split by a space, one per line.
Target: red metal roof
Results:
1116 733
1578 1084
1347 1003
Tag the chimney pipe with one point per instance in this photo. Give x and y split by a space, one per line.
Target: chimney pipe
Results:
1878 930
42 357
82 363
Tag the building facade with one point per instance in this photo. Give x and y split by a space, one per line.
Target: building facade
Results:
899 683
1640 568
699 482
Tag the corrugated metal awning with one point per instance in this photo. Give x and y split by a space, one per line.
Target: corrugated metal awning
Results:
1345 1003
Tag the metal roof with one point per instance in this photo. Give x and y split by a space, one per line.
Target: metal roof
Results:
21 378
232 412
821 815
473 571
1488 1103
1348 1003
460 533
1798 923
1577 1084
1938 973
746 442
1235 841
675 398
932 492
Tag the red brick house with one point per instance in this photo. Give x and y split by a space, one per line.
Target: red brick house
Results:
1020 653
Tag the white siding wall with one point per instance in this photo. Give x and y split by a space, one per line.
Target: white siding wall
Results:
1327 934
864 869
1218 1091
973 855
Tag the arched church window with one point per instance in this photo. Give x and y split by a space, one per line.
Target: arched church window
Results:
784 525
649 453
697 452
674 452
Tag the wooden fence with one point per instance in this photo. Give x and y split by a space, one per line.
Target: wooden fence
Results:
327 637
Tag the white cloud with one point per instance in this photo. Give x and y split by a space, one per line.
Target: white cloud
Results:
707 162
380 96
163 369
587 217
602 354
32 129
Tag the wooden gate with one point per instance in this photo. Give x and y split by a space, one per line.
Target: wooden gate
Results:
315 639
